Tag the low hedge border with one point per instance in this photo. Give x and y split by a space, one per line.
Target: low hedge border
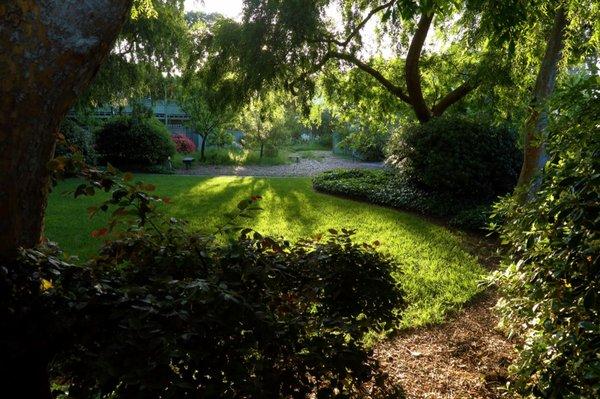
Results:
387 188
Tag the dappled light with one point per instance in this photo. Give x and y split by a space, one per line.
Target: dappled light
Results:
438 273
299 199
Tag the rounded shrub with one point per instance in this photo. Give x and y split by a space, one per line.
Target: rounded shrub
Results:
183 144
457 156
76 139
134 142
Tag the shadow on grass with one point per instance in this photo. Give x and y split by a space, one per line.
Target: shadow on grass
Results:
436 272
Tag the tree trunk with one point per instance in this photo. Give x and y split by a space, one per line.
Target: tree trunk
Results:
411 69
262 146
535 127
202 147
50 53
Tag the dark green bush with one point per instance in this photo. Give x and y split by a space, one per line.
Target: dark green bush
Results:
134 142
472 219
388 188
76 139
455 156
550 284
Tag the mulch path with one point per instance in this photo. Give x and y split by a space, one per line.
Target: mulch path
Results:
465 357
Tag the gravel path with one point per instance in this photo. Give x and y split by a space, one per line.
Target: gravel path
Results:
306 167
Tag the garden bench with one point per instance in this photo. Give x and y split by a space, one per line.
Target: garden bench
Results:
187 161
295 158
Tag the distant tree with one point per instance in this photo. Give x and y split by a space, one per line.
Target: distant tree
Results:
211 100
149 51
210 107
262 121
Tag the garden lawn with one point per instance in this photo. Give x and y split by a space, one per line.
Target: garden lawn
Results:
437 274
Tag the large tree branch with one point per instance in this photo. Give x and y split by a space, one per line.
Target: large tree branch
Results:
452 97
362 24
344 43
413 76
392 88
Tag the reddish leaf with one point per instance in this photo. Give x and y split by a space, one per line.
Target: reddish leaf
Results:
100 232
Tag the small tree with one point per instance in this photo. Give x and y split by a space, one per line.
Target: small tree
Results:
262 120
210 109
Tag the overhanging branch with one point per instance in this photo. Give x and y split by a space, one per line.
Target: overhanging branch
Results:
452 97
392 88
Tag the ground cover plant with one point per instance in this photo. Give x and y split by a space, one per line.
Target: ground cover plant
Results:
388 188
437 274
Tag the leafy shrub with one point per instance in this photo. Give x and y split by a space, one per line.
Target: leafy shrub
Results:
473 219
258 318
367 143
129 142
76 139
221 138
183 144
459 157
194 317
388 188
550 283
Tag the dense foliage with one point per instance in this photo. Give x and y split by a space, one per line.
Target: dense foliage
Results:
265 124
457 157
253 317
550 284
388 188
183 144
382 187
134 142
76 139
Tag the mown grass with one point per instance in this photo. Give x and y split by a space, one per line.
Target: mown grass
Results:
436 271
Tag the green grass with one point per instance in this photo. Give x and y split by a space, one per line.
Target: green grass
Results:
233 156
436 271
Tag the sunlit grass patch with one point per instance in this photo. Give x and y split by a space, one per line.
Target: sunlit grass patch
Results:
437 273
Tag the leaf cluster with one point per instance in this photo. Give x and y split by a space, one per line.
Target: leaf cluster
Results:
550 282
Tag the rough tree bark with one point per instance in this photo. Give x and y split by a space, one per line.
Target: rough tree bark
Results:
535 126
49 52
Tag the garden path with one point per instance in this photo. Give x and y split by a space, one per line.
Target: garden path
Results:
465 357
320 161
